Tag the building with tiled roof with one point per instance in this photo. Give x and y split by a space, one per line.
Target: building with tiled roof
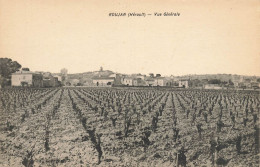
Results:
103 81
25 77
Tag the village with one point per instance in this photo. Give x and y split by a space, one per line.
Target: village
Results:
129 83
103 118
106 78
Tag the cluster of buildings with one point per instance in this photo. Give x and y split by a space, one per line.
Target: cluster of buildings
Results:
245 82
137 80
237 82
181 82
26 78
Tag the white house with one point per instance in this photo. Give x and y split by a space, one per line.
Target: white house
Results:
127 81
184 83
26 78
103 81
159 81
59 77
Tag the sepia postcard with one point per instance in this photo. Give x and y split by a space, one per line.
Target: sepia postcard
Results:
172 83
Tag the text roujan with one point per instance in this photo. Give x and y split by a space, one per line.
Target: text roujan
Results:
142 14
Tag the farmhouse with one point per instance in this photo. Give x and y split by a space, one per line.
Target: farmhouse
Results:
58 77
103 81
184 83
25 77
50 81
138 82
129 81
159 81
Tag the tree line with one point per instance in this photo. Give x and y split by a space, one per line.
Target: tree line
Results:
7 67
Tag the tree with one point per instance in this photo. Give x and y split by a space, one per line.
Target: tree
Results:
64 74
64 71
79 84
7 67
25 69
158 75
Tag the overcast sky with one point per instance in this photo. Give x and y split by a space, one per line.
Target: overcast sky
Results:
208 37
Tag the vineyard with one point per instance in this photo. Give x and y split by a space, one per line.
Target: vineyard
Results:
128 127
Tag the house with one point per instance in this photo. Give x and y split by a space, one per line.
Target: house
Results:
149 81
168 82
128 81
247 83
138 82
237 78
184 83
159 81
25 77
59 77
49 80
103 81
135 82
236 84
74 82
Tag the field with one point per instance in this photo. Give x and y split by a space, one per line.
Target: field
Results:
128 127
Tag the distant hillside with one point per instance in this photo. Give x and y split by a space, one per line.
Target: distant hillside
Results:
222 77
85 78
90 74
